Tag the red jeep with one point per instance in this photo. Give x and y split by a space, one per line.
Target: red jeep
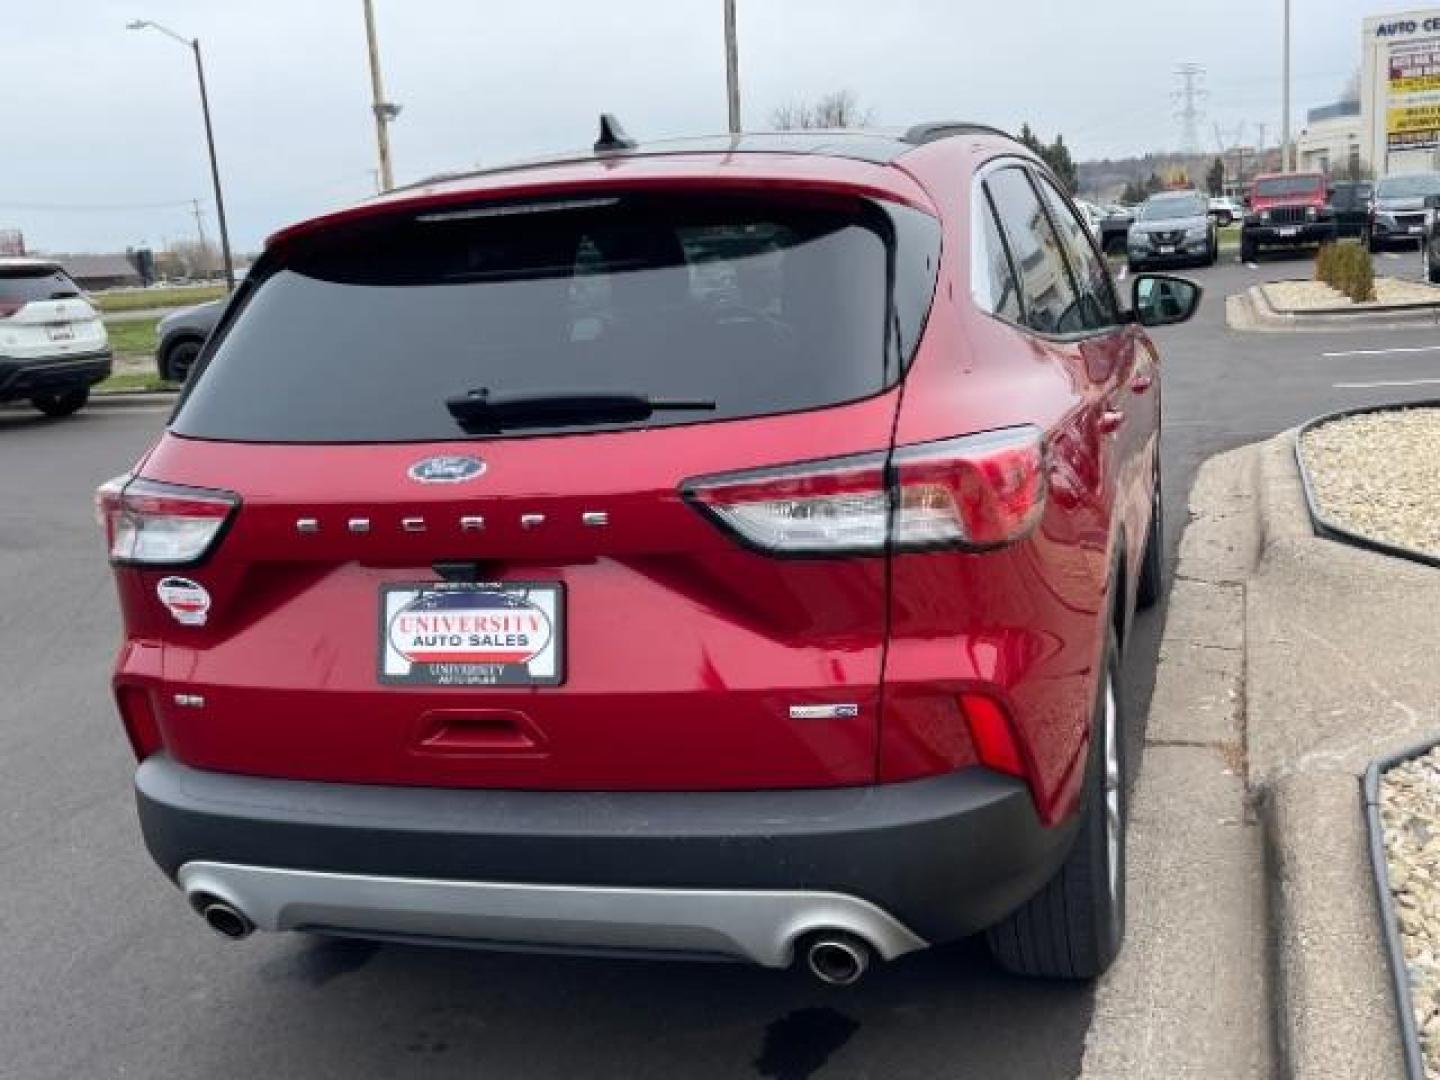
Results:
716 548
1286 210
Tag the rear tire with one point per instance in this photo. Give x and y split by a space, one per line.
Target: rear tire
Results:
1151 583
179 360
62 404
1073 927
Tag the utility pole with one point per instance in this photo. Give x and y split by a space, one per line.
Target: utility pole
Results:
194 45
732 68
1189 97
384 111
1285 151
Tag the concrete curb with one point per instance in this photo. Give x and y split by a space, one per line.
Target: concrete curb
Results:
1335 1014
1252 311
132 398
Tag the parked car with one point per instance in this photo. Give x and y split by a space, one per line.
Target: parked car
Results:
1350 201
53 346
181 336
556 601
1397 214
1225 211
1173 227
1286 210
1092 215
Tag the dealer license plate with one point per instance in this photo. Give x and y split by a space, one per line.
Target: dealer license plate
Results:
508 633
1167 249
1287 232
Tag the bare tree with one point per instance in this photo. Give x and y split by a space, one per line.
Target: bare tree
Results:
837 109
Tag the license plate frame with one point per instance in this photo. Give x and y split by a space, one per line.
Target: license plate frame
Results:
1167 249
1288 232
60 332
471 634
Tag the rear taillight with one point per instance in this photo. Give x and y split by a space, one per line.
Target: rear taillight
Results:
153 524
974 493
9 307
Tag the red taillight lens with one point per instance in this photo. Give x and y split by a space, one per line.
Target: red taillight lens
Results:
974 492
992 734
9 307
153 524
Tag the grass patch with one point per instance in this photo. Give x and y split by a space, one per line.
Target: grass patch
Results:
134 381
140 299
134 337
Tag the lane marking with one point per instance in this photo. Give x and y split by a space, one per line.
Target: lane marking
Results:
1378 385
1382 352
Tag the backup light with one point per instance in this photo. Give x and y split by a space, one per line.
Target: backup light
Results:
153 524
971 493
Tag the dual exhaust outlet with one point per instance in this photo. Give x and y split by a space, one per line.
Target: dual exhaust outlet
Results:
835 959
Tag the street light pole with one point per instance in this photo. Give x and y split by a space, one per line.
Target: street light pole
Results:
383 110
194 45
1286 149
732 68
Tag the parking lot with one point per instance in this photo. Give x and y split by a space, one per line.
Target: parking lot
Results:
119 979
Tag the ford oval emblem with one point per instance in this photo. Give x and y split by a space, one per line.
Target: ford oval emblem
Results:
446 469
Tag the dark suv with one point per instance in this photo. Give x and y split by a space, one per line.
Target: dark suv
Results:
716 548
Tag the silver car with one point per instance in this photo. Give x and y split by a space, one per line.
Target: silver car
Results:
1173 227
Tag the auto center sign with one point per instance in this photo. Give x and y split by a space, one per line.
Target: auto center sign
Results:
1400 90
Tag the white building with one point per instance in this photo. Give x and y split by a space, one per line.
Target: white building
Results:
1400 91
1332 139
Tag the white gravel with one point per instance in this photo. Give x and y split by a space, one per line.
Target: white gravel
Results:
1410 816
1378 474
1317 296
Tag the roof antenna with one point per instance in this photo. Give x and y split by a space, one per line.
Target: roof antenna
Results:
612 136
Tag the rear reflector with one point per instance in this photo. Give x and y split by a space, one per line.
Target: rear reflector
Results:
972 493
153 524
138 715
992 734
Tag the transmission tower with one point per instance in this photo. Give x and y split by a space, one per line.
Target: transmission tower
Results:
1188 98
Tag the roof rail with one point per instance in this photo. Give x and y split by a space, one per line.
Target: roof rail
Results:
920 134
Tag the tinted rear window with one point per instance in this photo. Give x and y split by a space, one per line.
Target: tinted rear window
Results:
23 285
760 304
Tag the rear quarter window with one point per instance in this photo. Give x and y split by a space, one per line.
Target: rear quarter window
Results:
762 303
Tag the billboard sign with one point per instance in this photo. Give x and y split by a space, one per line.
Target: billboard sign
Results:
1412 106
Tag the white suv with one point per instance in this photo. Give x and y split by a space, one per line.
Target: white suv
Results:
53 346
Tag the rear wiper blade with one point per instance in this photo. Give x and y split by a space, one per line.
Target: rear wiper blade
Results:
487 410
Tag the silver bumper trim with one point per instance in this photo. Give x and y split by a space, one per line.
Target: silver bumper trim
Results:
757 925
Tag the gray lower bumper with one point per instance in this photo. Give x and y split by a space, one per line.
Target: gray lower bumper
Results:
761 926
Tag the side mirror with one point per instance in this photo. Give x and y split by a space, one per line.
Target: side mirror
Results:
1245 201
1162 300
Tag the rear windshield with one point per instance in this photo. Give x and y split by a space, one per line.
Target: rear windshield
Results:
1281 186
25 284
761 304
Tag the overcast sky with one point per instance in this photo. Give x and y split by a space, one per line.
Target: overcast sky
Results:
101 144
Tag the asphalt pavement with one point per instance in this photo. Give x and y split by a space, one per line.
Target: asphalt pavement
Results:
106 973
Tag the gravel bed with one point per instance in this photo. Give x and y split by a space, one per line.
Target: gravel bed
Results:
1410 816
1377 474
1317 296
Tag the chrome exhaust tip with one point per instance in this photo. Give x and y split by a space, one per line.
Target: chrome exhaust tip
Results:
837 959
225 919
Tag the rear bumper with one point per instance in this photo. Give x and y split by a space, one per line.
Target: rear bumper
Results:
26 378
741 874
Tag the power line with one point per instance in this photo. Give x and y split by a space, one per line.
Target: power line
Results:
1189 97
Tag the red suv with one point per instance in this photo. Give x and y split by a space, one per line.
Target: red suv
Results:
715 548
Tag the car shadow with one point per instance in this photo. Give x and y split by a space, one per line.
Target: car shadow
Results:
349 1008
